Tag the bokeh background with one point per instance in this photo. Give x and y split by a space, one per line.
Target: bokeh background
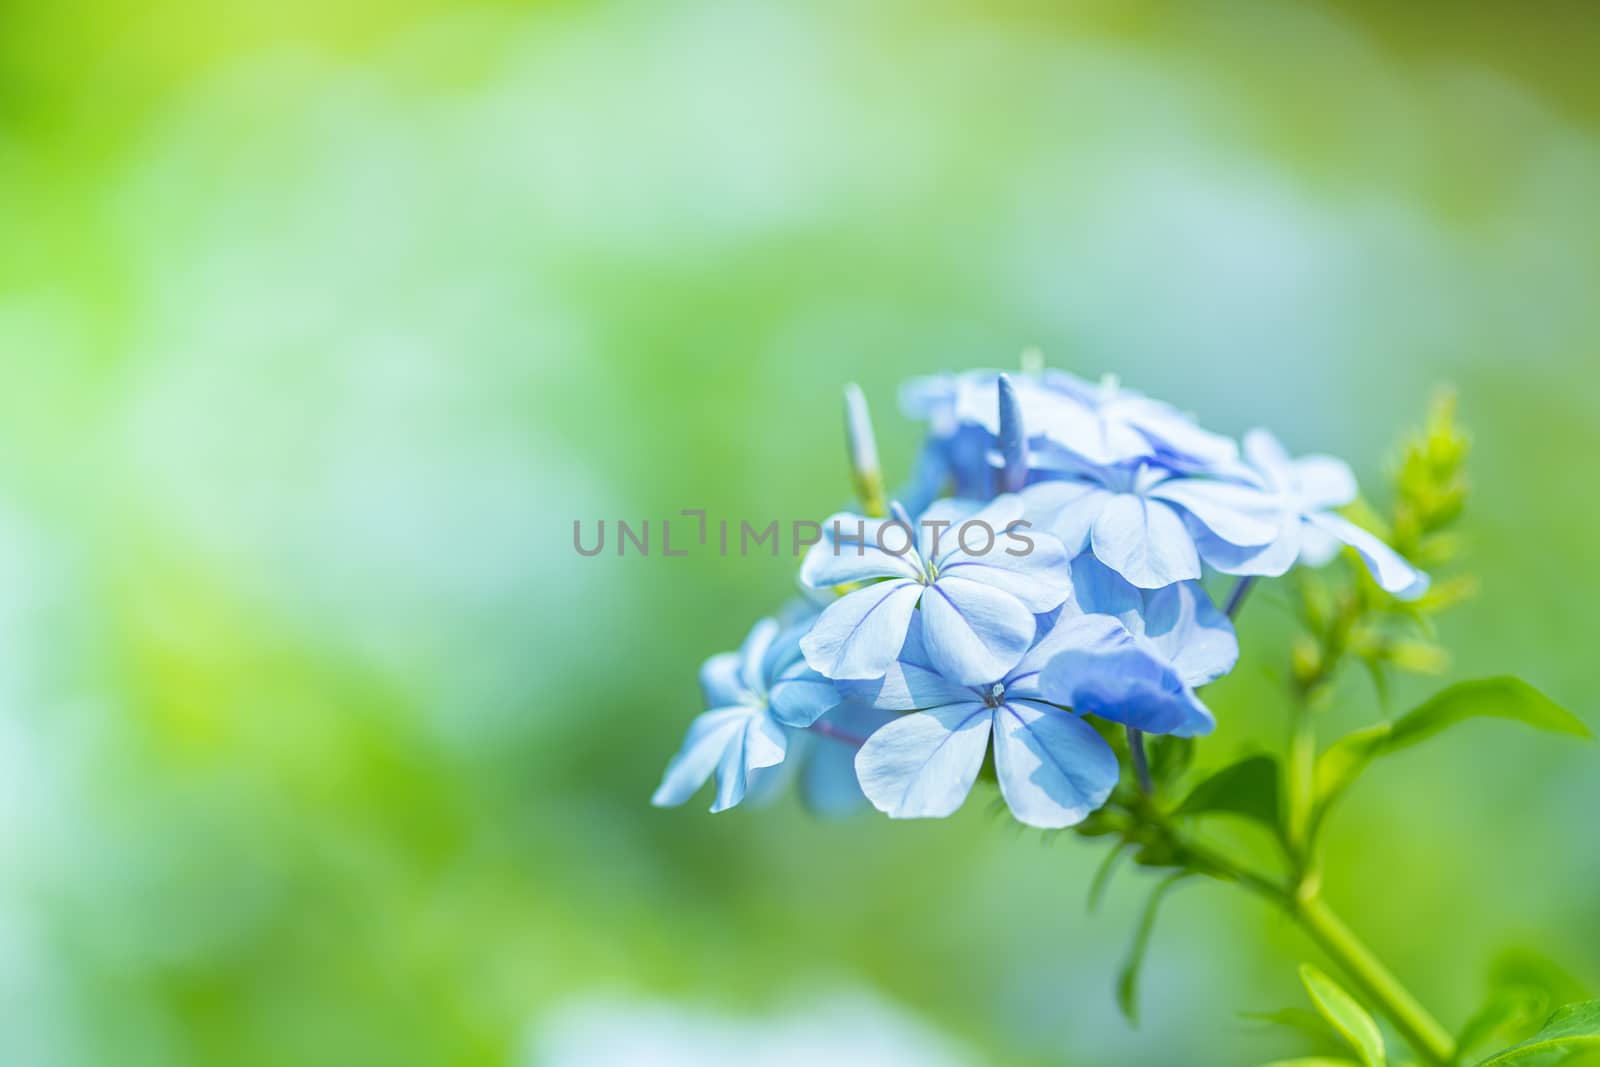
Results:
321 323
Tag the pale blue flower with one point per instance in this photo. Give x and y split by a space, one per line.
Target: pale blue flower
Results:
753 695
1303 493
977 600
1148 523
1053 768
1178 622
1099 667
1100 425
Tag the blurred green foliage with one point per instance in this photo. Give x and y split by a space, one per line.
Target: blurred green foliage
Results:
320 324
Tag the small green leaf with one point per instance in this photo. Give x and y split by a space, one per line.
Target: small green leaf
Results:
1103 873
1529 968
1308 1023
1248 787
1510 1014
1573 1028
1500 698
1348 1017
1169 757
1128 977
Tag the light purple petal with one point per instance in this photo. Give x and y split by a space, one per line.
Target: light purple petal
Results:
1054 769
853 555
923 765
1324 482
859 635
974 633
1145 541
1388 567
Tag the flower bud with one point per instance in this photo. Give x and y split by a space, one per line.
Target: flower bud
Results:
863 445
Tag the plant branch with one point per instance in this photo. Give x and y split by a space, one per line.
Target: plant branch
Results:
1421 1030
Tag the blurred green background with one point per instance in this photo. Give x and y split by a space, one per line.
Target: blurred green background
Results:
321 323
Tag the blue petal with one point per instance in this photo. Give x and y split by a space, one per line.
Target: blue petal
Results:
1267 455
828 776
1239 514
859 635
1324 482
1099 590
852 556
753 651
1183 624
1388 567
974 633
719 681
1098 632
1054 769
708 739
761 743
912 682
1118 677
1041 577
923 765
801 696
1269 560
1067 509
1145 541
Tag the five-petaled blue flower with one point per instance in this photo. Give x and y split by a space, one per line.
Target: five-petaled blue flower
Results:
1149 523
1053 768
1302 493
752 695
978 581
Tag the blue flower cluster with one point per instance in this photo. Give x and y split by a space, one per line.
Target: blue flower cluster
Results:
1043 572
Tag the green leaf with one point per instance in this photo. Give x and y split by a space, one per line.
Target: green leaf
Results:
1529 968
1169 757
1103 873
1314 1061
1128 977
1307 1023
1348 1017
1248 787
1510 1014
1499 698
1573 1028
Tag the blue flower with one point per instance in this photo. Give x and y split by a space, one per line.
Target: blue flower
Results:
752 695
1053 768
978 591
1177 623
1103 669
1100 425
1303 493
1149 523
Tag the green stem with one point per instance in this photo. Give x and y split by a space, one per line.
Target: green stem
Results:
1300 772
1420 1029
